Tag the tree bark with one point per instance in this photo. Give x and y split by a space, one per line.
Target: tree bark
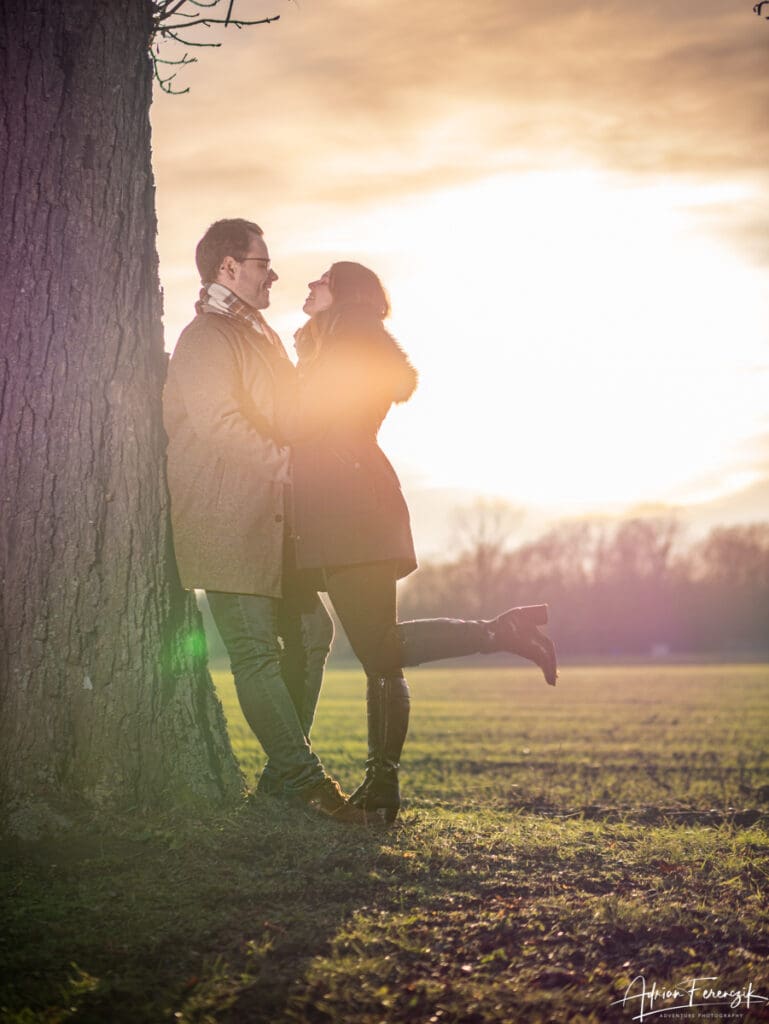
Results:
105 698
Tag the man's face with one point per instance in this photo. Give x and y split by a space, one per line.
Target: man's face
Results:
249 278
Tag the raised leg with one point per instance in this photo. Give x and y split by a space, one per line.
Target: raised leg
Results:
515 630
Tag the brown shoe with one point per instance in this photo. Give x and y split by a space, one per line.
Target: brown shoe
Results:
328 799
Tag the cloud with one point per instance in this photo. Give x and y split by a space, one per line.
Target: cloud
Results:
334 87
350 105
559 147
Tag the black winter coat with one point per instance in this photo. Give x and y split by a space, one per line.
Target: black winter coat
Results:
348 504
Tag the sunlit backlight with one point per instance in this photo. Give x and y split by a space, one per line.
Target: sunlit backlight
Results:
581 339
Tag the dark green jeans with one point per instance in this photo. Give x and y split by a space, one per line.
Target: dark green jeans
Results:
278 650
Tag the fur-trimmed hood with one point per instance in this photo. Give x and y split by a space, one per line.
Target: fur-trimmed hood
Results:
351 342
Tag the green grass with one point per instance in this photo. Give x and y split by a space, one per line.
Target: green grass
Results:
623 737
555 844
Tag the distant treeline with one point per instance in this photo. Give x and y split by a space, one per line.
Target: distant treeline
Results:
630 588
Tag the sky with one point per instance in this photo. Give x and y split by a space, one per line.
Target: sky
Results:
569 207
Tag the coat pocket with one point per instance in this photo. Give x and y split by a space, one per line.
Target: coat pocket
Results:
351 483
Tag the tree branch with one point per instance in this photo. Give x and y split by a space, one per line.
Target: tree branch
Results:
163 10
190 42
169 8
217 21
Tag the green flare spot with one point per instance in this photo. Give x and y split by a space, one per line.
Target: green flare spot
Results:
194 644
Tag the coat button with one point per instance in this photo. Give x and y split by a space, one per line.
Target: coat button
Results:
278 519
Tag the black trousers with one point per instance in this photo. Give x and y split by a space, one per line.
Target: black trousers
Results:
364 599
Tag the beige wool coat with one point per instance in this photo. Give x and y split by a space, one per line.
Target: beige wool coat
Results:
227 477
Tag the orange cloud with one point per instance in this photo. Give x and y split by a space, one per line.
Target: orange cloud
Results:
348 104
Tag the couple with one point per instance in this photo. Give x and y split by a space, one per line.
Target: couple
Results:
279 490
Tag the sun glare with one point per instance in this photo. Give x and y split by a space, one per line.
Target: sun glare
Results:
581 340
584 339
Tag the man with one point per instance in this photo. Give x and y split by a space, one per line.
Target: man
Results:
228 480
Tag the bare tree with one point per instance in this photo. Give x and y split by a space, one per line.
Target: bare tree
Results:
731 569
105 698
639 549
483 534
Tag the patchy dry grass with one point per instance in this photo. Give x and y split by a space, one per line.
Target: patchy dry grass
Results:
555 846
627 737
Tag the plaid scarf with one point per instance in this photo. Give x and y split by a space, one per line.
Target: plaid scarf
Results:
215 298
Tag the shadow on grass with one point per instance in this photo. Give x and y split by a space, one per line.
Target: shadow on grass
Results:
485 918
209 921
481 917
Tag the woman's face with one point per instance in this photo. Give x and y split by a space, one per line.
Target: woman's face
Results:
320 296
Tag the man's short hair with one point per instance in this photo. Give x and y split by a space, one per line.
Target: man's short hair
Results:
224 238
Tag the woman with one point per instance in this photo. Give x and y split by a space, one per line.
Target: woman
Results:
351 524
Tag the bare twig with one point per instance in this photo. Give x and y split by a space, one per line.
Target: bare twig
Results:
168 10
164 10
191 42
167 29
165 81
182 60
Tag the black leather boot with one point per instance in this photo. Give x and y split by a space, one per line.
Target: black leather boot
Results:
514 630
388 704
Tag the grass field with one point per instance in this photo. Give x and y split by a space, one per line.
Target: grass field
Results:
555 845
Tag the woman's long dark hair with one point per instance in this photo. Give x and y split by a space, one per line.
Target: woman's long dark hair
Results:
354 284
351 285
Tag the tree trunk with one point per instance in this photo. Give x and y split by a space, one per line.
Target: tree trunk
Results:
105 695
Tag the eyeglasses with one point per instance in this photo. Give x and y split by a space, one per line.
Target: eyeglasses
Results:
266 263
